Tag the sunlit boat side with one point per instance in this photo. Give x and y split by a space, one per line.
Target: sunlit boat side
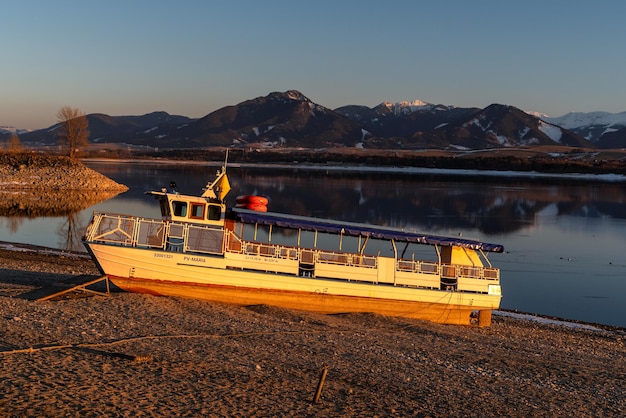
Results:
202 249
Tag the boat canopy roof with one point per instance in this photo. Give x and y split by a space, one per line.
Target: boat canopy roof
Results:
356 229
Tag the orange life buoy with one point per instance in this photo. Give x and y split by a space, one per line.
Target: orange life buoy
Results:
252 206
252 200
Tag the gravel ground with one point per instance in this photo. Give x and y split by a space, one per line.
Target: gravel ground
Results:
140 355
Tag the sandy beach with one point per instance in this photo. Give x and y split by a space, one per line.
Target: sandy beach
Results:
139 355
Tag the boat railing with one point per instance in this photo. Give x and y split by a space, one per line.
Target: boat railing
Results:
204 239
151 233
112 229
288 253
304 255
491 273
134 231
348 259
266 250
312 256
449 271
418 266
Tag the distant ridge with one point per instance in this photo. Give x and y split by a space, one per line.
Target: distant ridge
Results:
290 119
8 130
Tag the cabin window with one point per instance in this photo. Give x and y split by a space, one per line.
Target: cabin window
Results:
180 208
214 213
197 211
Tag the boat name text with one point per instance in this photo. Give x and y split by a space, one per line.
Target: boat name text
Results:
196 259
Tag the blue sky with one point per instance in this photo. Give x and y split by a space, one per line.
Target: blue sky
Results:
190 58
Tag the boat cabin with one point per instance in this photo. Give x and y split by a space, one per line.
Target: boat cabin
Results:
207 209
185 208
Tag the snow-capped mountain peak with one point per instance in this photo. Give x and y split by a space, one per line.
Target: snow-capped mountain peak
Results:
575 120
12 130
537 114
590 125
406 107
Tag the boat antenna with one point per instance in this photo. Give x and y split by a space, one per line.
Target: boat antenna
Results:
220 186
223 171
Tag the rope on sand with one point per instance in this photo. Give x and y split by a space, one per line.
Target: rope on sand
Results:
31 350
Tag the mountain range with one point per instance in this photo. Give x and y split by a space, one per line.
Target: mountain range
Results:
290 119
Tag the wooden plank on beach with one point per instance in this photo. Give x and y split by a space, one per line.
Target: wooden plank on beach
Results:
75 285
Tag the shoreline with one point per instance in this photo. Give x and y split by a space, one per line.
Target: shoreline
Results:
130 353
548 159
36 250
407 170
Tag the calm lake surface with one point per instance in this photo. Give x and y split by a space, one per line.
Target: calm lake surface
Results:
565 240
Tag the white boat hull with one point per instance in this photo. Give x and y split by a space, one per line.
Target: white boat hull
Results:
214 278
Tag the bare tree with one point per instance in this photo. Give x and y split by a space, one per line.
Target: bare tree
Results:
70 232
73 129
14 145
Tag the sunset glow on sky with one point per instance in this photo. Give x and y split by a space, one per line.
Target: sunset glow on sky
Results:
193 57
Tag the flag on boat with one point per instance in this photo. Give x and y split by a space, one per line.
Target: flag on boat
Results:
222 187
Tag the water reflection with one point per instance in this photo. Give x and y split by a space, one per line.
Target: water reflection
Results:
34 203
18 206
433 204
415 202
71 231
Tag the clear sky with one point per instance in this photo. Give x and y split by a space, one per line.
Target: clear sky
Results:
190 58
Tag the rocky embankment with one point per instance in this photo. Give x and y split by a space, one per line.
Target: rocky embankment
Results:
51 173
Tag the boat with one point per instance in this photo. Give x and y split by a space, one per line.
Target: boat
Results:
247 255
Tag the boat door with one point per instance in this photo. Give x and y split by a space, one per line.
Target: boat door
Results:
386 270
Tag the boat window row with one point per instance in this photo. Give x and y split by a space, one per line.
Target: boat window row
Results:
196 210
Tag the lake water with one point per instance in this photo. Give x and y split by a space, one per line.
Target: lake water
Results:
564 238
